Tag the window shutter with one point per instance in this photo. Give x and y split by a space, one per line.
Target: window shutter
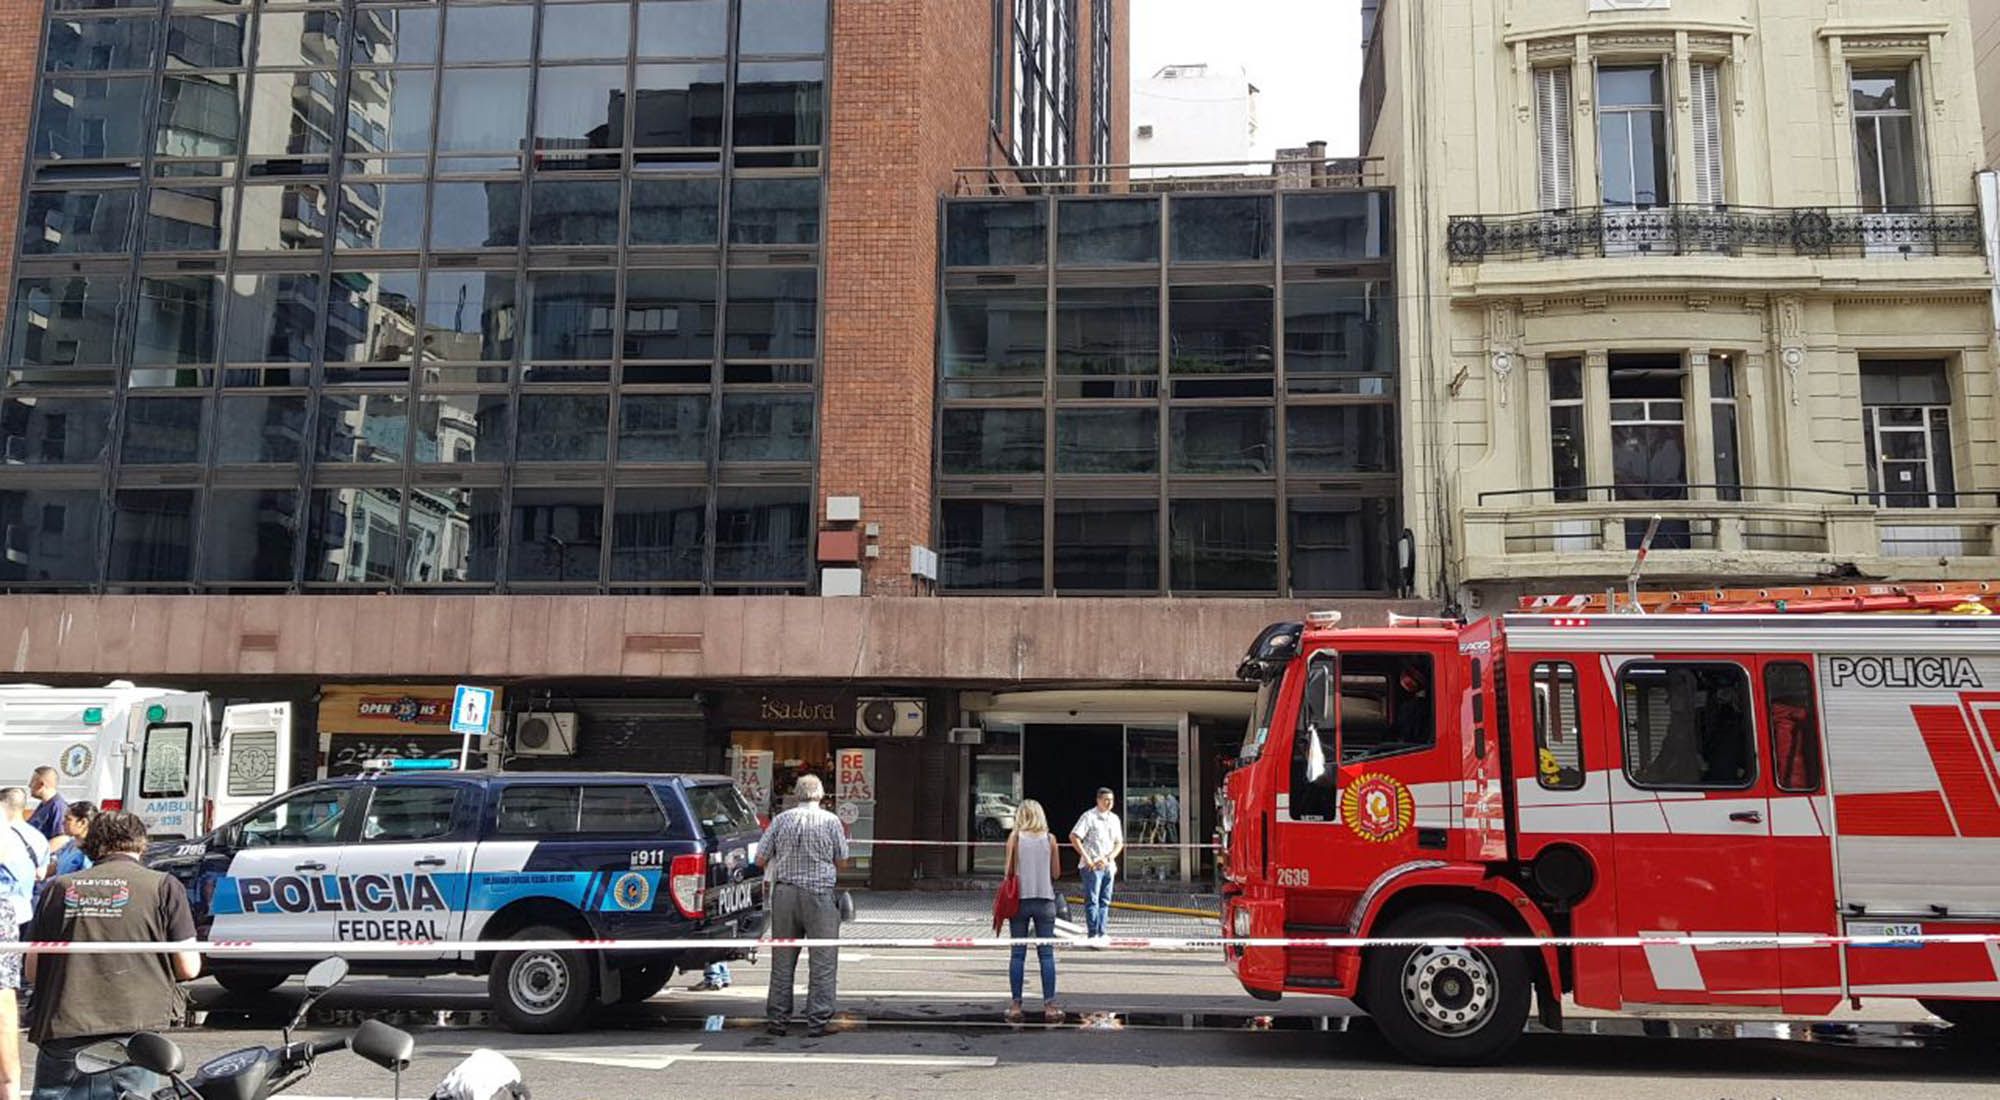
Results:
1707 97
1552 138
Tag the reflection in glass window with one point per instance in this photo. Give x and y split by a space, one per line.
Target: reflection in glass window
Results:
208 41
389 111
991 441
761 534
783 26
663 427
189 219
1210 230
488 34
1108 330
381 215
68 223
371 317
773 314
297 40
995 333
248 534
562 427
362 427
557 535
395 36
1342 544
99 45
177 320
583 31
162 431
200 115
100 118
774 211
572 314
260 428
54 431
1108 441
271 319
1108 231
66 320
484 214
996 234
351 536
453 536
1220 329
683 28
1221 440
1223 545
291 217
579 107
656 534
1323 439
570 212
451 428
483 110
670 314
767 427
990 544
51 535
778 102
470 315
675 211
1107 546
677 106
152 535
1337 226
1340 328
292 115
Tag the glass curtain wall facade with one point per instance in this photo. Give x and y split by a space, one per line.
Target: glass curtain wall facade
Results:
1185 393
517 295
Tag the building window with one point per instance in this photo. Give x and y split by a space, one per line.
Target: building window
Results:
1885 138
1906 428
1569 455
1100 87
1705 96
1722 427
1632 136
1554 178
1649 440
1044 82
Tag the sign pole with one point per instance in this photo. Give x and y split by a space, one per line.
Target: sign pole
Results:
471 714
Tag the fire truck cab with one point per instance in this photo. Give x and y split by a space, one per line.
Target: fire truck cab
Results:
1591 775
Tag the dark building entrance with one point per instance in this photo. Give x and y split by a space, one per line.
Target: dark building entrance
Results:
1062 768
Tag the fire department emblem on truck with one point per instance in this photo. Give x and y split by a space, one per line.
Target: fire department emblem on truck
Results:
1377 807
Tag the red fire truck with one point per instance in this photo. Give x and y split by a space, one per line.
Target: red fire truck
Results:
1582 773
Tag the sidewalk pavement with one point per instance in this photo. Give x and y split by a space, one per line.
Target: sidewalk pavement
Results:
934 913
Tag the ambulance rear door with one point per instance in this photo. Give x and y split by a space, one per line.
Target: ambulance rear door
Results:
167 737
251 758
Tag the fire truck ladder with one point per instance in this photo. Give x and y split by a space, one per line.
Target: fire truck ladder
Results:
1960 598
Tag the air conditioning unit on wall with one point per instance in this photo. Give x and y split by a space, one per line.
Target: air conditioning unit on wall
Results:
881 717
545 733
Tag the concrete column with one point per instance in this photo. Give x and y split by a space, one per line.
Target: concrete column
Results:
1699 432
1583 128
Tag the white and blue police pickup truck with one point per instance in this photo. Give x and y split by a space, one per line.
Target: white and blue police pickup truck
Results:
450 855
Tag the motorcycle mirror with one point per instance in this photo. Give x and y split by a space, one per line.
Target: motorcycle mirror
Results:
155 1052
383 1045
325 975
102 1057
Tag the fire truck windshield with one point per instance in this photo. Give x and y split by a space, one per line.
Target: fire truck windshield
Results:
1260 720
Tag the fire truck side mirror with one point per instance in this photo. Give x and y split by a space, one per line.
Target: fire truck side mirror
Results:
1322 717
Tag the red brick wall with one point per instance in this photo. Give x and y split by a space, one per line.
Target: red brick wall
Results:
20 43
911 81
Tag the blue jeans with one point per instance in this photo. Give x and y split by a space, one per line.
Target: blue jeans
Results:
717 973
1096 899
1040 912
56 1077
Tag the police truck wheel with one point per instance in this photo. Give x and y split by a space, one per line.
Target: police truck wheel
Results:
248 983
1450 1006
540 992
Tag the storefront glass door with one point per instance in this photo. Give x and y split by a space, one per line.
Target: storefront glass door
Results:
1152 801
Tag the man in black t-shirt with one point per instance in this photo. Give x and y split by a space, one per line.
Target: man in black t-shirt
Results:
84 999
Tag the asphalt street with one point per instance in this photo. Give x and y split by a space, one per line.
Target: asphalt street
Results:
929 1023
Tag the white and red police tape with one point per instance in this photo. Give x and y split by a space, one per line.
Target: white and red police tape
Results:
1115 943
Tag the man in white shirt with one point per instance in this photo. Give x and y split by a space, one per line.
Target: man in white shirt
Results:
1099 838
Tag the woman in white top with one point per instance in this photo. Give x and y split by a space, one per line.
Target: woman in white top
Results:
1031 855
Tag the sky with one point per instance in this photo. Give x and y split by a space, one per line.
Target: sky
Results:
1304 56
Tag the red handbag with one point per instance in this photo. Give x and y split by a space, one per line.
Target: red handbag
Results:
1007 902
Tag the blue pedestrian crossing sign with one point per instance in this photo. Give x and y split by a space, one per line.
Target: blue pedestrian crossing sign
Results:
471 710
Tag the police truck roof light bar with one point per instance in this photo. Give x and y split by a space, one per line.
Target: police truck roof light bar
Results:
422 765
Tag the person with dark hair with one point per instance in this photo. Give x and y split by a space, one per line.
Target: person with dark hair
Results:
69 856
1099 838
48 816
85 999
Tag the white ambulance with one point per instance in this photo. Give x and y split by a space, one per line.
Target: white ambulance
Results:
171 757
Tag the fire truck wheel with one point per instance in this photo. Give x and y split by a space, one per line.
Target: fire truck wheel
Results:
1447 1005
1979 1019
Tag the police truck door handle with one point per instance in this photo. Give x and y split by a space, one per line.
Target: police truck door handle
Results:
431 861
309 865
1747 817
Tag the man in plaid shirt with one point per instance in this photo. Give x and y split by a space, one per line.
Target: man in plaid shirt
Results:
801 854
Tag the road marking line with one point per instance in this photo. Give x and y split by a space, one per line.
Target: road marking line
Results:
666 1060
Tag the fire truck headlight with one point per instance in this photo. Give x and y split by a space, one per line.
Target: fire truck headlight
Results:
1240 924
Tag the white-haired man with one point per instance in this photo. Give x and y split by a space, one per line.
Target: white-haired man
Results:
801 854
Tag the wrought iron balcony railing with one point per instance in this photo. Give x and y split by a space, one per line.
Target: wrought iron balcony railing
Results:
1815 231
